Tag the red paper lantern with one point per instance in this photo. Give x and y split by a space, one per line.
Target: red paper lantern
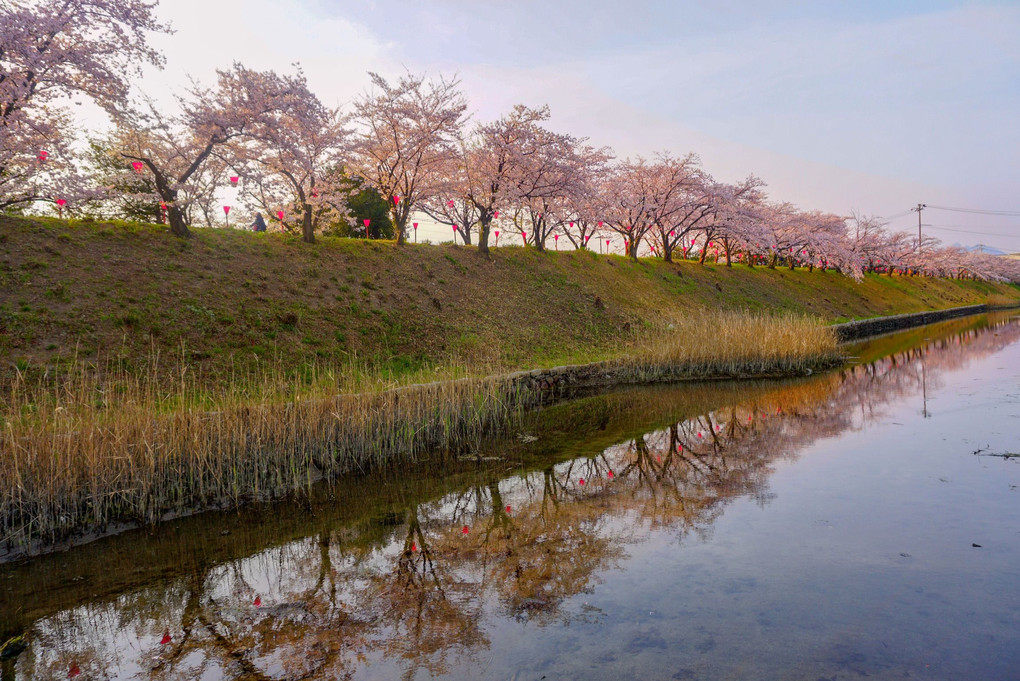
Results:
166 638
234 179
137 165
495 214
450 203
581 481
279 214
507 509
367 222
43 154
610 475
226 210
465 530
396 200
61 202
415 225
497 233
258 602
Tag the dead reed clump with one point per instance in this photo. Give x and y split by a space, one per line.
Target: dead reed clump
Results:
83 451
95 446
733 344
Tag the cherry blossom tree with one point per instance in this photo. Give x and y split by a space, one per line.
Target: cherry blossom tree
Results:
408 138
54 50
631 201
491 164
174 148
292 157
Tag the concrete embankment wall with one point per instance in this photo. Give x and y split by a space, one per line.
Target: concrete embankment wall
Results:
565 381
873 327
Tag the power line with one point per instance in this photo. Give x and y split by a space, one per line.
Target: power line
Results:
898 215
978 211
967 231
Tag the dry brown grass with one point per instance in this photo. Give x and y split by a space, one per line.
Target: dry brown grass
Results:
728 344
88 448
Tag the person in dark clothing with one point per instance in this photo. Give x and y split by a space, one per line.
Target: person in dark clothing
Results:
259 225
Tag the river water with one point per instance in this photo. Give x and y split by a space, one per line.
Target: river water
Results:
861 523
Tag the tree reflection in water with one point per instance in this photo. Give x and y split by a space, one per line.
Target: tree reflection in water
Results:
415 591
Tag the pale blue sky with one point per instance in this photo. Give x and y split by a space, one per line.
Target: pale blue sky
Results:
872 106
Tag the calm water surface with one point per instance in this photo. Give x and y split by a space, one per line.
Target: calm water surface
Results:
863 523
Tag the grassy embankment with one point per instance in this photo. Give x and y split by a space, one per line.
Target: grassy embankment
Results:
149 376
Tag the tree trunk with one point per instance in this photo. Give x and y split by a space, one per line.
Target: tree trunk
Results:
307 230
483 236
399 225
177 226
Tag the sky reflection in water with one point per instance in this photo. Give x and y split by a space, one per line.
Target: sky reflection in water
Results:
821 528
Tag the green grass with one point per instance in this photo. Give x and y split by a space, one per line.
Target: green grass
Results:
230 297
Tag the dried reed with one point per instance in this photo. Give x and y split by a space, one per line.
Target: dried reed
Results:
88 448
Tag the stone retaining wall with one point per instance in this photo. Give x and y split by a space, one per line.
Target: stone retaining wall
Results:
872 327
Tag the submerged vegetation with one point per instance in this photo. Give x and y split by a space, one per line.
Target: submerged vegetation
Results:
86 449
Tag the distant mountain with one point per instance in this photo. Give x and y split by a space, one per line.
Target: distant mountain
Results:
981 248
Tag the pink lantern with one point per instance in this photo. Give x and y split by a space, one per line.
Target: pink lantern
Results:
497 234
671 232
607 243
137 165
507 509
166 638
465 530
455 228
396 200
450 203
61 202
571 224
581 481
234 179
586 238
556 237
495 214
600 223
367 222
710 244
414 546
279 214
629 227
609 475
43 154
803 252
315 194
415 225
258 602
524 235
226 210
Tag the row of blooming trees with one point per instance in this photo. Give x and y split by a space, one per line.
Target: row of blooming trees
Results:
409 142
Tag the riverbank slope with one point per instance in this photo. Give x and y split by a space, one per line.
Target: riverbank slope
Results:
225 301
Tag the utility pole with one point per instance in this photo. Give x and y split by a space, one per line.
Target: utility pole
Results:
920 207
